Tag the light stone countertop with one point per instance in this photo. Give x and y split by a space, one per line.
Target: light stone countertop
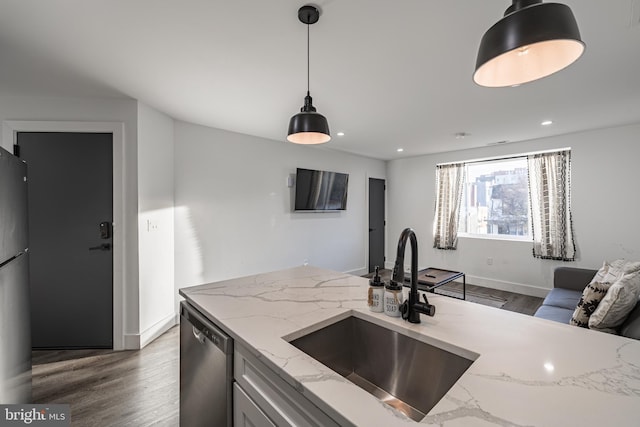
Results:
528 371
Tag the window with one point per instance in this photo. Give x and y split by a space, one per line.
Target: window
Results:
495 200
524 197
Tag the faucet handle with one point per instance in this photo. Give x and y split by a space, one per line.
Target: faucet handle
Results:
404 309
431 309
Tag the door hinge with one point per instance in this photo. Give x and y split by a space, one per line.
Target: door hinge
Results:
16 150
384 222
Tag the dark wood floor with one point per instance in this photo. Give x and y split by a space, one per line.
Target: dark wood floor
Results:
141 388
113 388
519 303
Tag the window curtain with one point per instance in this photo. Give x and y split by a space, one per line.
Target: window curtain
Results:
449 188
550 193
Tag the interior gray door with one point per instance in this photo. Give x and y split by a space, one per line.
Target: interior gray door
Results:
70 217
376 223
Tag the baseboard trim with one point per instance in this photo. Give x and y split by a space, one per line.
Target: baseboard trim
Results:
502 285
158 329
132 342
358 271
139 341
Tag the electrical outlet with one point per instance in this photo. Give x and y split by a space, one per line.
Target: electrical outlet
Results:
489 261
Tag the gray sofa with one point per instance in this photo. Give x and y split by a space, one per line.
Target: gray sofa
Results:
568 284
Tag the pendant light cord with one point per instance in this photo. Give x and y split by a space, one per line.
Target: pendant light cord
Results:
308 66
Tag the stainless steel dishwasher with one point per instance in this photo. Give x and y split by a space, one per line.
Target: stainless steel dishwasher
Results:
206 371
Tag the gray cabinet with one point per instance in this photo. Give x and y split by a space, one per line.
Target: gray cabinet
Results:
272 397
245 411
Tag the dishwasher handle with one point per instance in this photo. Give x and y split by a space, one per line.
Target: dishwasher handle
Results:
198 334
203 329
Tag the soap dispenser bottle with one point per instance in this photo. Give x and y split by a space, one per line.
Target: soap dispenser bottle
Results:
376 293
393 299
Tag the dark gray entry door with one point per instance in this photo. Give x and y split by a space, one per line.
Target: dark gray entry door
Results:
376 223
70 238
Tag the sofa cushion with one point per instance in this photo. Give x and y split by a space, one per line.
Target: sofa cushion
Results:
631 327
572 277
563 298
558 314
593 293
614 308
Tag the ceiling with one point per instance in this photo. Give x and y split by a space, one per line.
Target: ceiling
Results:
388 73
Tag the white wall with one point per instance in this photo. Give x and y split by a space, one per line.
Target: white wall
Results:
605 207
58 109
155 223
233 207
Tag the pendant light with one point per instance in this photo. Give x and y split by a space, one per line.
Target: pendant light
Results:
532 40
308 126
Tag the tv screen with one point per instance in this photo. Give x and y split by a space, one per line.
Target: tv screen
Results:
321 190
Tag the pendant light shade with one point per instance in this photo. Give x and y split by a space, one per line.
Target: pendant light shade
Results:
308 126
533 40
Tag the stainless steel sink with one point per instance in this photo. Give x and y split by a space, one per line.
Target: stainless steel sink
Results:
405 373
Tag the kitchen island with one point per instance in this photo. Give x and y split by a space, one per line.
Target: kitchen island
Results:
525 371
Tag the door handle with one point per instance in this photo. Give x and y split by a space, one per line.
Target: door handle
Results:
102 247
372 229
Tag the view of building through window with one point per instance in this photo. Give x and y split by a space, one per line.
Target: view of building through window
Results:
496 198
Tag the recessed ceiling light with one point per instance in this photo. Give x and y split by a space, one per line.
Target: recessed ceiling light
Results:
400 150
340 133
547 123
505 141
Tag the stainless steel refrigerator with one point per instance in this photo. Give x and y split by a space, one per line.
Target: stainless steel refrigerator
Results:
15 323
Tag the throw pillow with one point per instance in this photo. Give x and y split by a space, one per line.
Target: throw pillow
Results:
593 293
612 271
620 299
620 267
600 274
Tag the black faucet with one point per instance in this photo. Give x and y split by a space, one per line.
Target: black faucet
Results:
412 307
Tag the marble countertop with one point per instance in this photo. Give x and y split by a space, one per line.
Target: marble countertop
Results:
528 371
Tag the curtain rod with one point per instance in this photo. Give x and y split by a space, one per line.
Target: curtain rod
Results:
507 157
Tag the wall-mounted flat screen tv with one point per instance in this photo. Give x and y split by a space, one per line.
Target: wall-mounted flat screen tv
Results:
321 190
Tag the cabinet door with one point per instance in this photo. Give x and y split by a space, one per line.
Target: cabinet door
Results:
245 412
282 404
